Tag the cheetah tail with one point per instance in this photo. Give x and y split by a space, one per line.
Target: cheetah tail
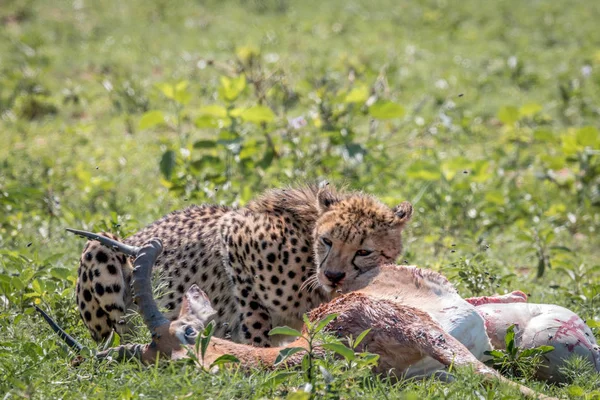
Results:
74 344
122 247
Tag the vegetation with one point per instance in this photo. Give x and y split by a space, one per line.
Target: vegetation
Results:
113 113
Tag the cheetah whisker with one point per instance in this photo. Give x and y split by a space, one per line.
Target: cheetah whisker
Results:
122 247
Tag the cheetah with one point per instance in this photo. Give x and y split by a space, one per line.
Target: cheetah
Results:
258 263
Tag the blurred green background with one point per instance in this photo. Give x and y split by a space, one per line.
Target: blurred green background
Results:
113 113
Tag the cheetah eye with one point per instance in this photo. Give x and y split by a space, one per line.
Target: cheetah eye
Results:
363 253
326 241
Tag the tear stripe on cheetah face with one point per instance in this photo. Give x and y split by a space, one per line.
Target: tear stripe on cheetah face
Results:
254 262
354 235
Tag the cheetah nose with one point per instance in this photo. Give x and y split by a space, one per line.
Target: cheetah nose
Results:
335 277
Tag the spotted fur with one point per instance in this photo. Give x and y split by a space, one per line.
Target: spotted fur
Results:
258 264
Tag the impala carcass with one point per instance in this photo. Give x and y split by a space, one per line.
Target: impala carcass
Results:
419 324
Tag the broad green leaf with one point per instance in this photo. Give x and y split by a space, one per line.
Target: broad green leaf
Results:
340 349
151 119
167 164
386 110
167 90
285 330
530 109
205 144
588 137
287 352
324 322
592 323
508 115
224 359
360 337
258 115
37 286
358 94
183 97
231 88
494 353
214 110
60 273
206 121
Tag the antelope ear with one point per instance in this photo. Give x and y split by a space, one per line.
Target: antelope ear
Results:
326 198
195 301
403 212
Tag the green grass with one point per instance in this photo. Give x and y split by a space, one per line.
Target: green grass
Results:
485 116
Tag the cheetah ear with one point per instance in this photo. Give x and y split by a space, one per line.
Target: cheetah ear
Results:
403 212
326 198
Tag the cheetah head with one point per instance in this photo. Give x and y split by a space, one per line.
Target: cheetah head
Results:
354 234
196 312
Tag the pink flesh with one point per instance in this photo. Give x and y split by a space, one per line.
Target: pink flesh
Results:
514 297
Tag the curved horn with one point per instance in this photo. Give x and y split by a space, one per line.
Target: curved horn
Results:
74 344
122 247
142 284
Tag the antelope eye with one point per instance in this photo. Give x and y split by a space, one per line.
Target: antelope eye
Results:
326 241
190 331
363 253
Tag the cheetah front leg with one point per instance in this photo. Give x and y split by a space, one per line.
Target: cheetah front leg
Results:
103 289
254 319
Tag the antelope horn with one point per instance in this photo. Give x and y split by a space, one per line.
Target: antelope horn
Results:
122 247
74 344
142 284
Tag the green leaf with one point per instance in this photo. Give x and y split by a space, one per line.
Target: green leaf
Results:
361 337
206 336
231 88
592 323
60 273
258 115
509 340
588 137
205 144
358 94
508 115
285 330
151 119
340 349
530 109
495 353
386 110
287 352
206 121
167 90
214 110
167 164
324 322
224 359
